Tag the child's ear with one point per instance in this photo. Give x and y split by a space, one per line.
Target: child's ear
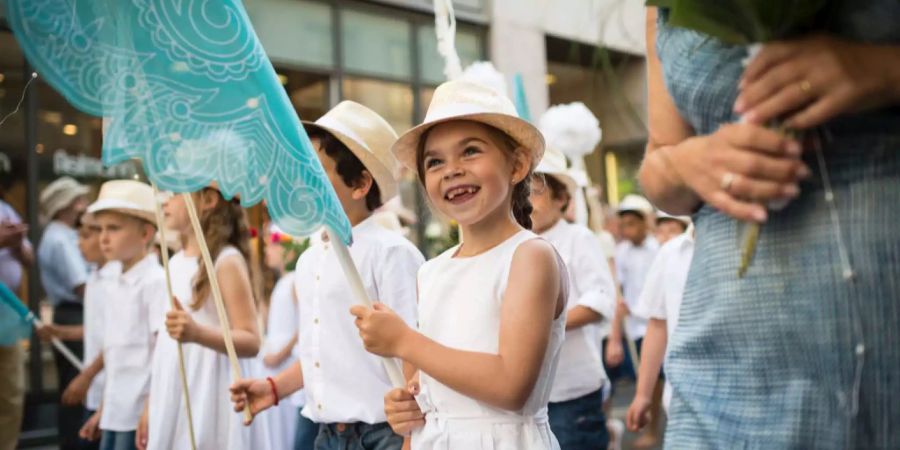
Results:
363 185
521 164
209 198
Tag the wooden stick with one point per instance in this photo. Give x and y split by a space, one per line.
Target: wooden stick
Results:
164 249
216 294
359 291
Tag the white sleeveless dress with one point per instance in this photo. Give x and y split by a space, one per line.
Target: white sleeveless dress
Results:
459 306
216 425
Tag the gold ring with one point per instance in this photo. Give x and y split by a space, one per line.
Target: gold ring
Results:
805 86
727 181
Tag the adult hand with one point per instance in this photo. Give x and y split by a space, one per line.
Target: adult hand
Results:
638 415
739 168
257 393
381 329
807 82
402 410
179 324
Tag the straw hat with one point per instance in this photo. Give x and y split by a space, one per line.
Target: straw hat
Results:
369 137
464 100
635 203
127 197
662 215
59 194
554 164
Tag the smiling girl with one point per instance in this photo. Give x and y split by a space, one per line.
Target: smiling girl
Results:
491 310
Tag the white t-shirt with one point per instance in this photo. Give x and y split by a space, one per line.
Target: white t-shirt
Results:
580 371
664 287
343 382
133 313
96 293
632 264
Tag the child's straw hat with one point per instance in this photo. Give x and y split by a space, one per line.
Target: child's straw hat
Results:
369 137
128 197
464 100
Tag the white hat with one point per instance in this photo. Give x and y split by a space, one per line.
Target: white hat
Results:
369 137
635 203
59 194
662 215
128 197
464 100
554 164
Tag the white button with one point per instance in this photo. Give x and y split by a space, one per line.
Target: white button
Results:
316 321
860 349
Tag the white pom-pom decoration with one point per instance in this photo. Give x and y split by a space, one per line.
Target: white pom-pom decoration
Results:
484 73
571 129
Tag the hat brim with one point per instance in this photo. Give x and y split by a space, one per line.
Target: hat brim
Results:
387 183
524 133
119 207
67 197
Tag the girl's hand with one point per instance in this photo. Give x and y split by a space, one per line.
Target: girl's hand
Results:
257 393
739 168
180 325
402 410
90 431
809 81
381 329
638 415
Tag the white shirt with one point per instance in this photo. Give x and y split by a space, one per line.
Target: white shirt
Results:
343 382
281 326
62 266
133 313
96 293
664 287
632 264
580 371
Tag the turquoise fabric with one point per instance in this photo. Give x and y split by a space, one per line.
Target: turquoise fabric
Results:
15 318
184 86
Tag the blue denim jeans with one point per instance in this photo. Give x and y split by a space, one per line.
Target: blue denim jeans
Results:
357 436
579 424
305 434
117 440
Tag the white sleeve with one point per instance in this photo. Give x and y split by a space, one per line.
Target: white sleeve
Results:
651 303
397 285
156 301
592 277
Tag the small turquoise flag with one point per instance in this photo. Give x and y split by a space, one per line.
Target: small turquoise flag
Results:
15 318
185 87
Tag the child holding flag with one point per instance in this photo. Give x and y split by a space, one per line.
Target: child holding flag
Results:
344 385
492 309
132 311
195 323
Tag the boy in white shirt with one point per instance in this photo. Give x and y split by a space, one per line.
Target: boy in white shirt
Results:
344 384
660 302
135 307
576 417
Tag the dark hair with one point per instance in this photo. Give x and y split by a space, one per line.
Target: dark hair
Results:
558 191
634 213
347 165
521 193
223 225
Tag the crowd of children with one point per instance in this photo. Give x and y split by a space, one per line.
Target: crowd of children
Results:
501 338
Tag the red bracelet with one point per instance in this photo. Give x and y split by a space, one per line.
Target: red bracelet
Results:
274 391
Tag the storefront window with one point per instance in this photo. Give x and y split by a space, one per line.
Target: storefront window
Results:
309 93
375 44
294 32
468 46
393 101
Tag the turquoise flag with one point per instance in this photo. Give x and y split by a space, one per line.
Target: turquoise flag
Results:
184 86
15 318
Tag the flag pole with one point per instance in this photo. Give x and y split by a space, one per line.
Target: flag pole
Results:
216 294
164 250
